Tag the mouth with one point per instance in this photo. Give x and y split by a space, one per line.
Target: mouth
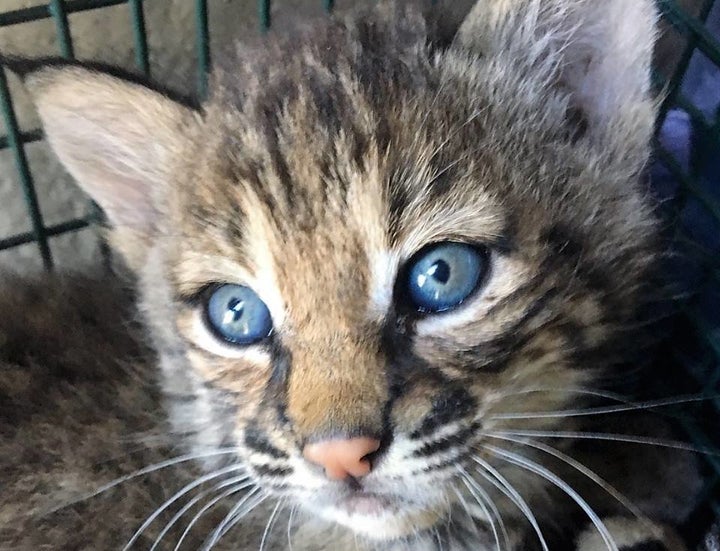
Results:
378 517
367 504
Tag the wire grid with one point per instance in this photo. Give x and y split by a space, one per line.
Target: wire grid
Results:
704 361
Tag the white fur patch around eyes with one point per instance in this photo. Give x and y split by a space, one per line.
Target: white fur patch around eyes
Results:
203 337
384 268
506 275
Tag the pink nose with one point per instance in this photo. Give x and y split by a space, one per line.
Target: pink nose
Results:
342 458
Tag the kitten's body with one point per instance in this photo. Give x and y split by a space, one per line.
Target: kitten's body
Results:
321 166
80 407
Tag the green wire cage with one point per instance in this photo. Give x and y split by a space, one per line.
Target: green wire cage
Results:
693 176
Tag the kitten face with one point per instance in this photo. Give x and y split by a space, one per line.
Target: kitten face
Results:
316 174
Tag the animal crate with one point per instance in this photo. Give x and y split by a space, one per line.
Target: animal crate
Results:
685 171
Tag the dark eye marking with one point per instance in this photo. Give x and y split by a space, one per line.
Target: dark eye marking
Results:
258 441
448 442
451 406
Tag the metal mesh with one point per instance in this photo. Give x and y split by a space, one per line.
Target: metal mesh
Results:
694 197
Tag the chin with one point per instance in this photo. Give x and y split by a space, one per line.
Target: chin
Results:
379 518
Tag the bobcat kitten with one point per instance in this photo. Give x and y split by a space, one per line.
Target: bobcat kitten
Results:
385 267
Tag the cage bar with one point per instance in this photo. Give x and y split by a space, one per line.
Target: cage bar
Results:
34 13
693 27
264 15
669 9
50 231
202 39
23 169
57 10
25 137
671 163
137 15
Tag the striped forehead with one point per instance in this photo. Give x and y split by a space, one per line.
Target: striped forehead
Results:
331 259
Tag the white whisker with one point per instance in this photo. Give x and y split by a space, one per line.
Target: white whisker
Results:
648 405
578 391
184 490
605 485
144 471
466 507
507 489
190 504
481 503
551 477
242 508
291 517
438 539
493 507
269 525
644 440
209 505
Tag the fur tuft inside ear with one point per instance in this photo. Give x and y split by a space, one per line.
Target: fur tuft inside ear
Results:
118 138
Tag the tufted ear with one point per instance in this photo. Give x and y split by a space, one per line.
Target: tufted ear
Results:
118 138
599 50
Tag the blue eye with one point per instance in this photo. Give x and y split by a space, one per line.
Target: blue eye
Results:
442 276
238 315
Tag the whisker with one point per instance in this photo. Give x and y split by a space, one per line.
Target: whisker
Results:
465 477
643 440
242 508
219 530
184 490
438 539
604 484
466 507
493 507
269 525
195 500
242 514
648 405
560 390
507 489
551 477
144 471
209 505
291 517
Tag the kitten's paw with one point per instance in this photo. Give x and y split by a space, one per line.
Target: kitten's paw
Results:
631 534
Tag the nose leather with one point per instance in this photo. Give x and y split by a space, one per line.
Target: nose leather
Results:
342 458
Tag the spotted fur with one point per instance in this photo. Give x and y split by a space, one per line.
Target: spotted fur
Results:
321 163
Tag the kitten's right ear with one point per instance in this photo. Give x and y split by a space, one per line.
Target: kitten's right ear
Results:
119 139
598 51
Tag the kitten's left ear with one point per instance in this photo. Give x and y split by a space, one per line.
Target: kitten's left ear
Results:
600 51
119 139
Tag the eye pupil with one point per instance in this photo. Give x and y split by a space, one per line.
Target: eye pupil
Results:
441 276
440 271
235 310
237 315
